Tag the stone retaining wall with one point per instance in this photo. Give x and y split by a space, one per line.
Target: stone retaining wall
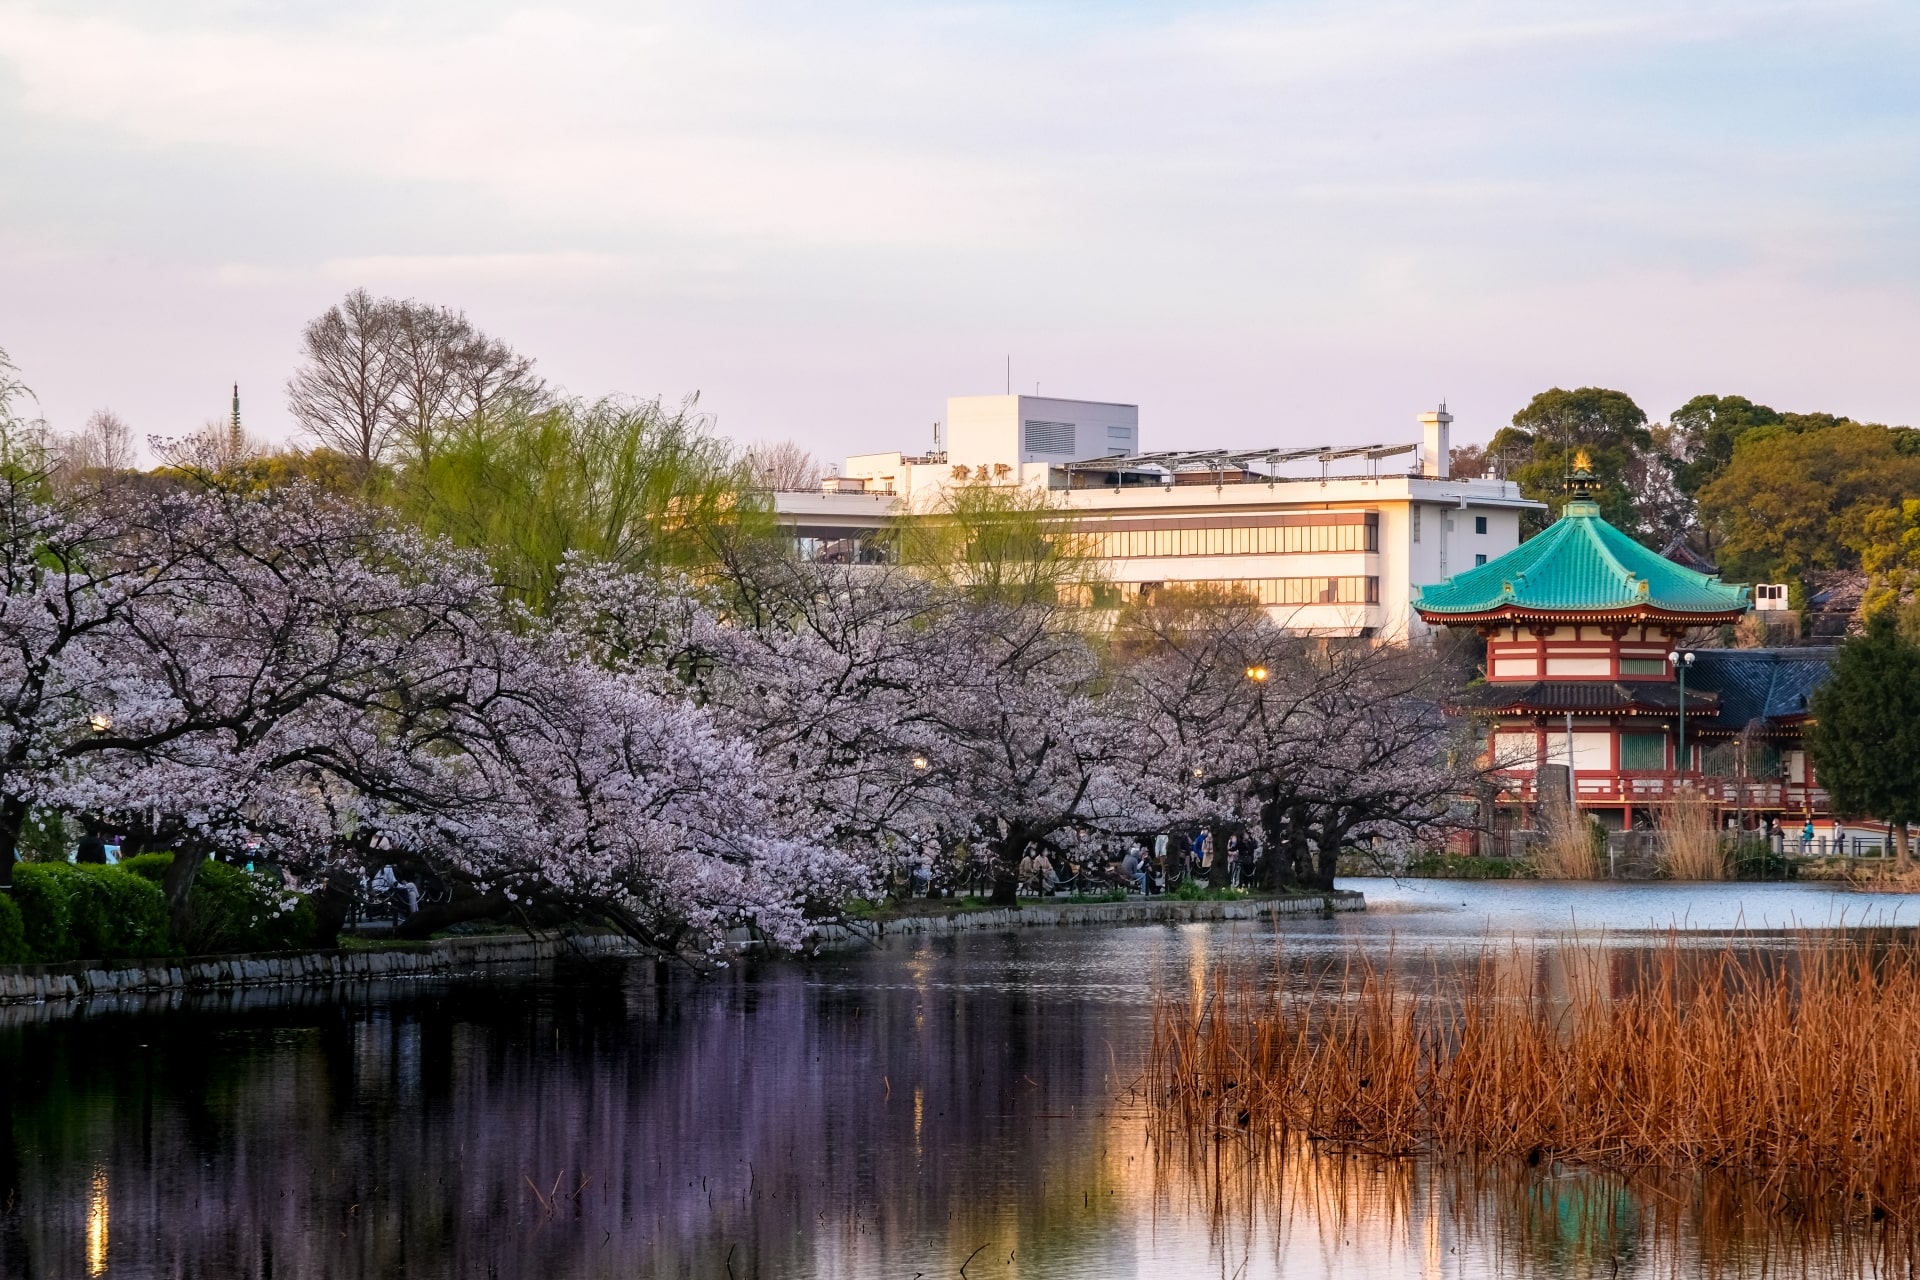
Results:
862 933
453 957
89 978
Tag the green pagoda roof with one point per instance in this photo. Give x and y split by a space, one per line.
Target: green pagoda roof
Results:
1581 565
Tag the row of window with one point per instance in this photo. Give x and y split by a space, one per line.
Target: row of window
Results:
1286 539
1349 590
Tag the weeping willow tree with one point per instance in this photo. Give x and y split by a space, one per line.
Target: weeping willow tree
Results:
633 483
1009 543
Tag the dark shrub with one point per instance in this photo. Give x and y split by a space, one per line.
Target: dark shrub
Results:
231 909
72 912
13 933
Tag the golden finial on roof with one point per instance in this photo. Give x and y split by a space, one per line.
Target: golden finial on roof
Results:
1581 484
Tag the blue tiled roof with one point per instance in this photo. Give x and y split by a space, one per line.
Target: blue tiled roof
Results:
1759 684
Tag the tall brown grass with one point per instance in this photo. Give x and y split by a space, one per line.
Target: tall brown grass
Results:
1691 847
1566 850
1796 1073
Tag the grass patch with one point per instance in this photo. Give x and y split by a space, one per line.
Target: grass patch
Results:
1197 891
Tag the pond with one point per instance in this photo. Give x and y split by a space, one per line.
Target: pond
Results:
896 1113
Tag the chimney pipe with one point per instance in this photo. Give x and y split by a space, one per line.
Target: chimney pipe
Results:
1435 457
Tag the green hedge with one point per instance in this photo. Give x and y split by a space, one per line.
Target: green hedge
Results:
231 909
91 912
13 933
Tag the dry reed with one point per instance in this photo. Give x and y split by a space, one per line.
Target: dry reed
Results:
1798 1074
1566 848
1690 844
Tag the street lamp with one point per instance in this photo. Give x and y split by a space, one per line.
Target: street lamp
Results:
1681 661
1257 674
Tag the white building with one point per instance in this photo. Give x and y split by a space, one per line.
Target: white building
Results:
1337 550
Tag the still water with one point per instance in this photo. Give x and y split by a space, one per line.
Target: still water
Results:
898 1113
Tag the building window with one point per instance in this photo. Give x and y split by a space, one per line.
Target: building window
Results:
1416 524
1341 590
1643 667
1479 524
1047 437
1479 560
1643 751
1301 538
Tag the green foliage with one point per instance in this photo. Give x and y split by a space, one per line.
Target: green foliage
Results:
1540 446
231 909
1793 500
1194 889
1708 429
1448 866
70 912
1865 739
1001 542
629 484
47 836
1888 543
13 933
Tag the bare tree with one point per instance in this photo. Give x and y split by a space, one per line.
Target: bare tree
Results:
782 464
428 345
348 392
23 440
488 374
219 446
105 443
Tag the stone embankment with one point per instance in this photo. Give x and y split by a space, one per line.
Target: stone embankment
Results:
1039 913
89 980
450 957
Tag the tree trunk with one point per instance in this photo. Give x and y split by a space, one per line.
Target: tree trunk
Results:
1902 852
177 885
13 815
1298 865
438 915
1325 862
1006 872
332 901
1219 875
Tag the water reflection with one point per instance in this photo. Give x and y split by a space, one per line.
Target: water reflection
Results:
868 1116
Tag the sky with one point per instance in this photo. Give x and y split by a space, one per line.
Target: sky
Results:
1263 223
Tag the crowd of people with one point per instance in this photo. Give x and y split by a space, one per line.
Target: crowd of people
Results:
1137 866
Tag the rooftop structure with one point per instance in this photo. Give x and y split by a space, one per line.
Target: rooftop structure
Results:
1332 539
1583 567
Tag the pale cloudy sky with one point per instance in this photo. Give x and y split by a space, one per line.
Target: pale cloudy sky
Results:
1263 223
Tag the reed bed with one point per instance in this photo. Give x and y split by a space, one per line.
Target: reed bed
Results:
1796 1074
1691 847
1566 850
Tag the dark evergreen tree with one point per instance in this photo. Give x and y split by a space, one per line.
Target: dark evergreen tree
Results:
1865 740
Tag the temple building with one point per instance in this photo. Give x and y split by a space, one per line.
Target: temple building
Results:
1582 625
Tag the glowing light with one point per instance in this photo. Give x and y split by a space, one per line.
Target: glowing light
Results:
920 762
100 722
1257 674
97 1225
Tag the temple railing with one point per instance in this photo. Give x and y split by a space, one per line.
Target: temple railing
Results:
1632 787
